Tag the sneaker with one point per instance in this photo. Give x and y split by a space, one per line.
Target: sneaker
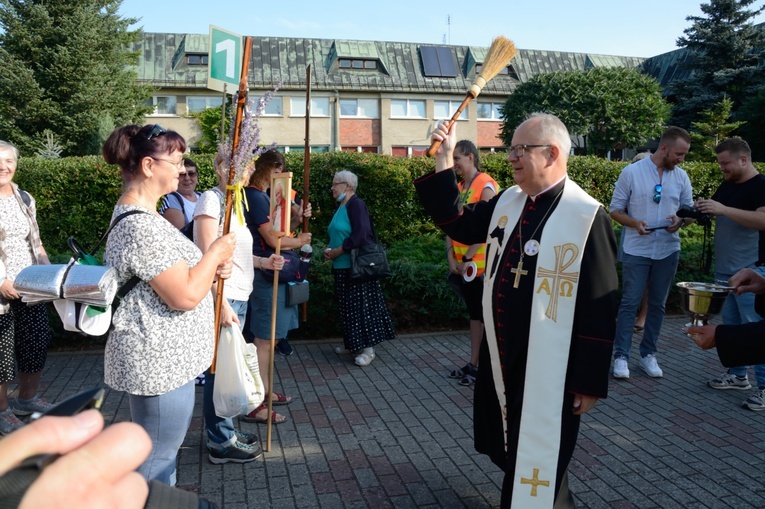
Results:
9 422
756 401
621 370
37 404
650 366
241 437
284 348
470 375
730 381
238 452
246 438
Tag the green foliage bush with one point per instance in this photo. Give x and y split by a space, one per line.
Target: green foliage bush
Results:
75 197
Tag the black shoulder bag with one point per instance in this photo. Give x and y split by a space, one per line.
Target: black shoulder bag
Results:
370 261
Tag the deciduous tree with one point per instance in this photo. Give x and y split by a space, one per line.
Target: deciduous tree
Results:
608 108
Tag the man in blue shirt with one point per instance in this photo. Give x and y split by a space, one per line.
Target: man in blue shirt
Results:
652 190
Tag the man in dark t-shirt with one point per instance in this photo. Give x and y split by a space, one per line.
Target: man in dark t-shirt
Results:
739 207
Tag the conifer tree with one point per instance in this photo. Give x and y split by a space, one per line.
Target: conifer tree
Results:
67 70
727 50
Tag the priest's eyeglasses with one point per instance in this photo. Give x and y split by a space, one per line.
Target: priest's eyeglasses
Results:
519 150
657 196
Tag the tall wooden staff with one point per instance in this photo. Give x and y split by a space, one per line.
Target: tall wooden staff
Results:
240 105
500 53
307 161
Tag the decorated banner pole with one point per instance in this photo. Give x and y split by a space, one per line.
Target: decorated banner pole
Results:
307 162
240 105
281 201
500 53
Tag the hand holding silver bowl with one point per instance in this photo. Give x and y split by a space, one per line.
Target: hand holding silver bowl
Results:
702 301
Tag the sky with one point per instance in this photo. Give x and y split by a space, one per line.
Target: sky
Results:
638 28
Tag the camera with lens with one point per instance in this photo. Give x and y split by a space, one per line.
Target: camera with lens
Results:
694 213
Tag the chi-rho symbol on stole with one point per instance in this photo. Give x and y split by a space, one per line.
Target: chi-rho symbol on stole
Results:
557 283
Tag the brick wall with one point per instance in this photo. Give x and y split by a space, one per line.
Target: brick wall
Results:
487 134
360 132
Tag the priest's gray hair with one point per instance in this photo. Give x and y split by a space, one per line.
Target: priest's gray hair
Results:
4 145
349 178
554 131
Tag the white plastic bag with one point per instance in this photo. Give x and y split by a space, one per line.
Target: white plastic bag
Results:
257 392
233 378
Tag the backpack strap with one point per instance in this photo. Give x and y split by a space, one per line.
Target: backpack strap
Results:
25 197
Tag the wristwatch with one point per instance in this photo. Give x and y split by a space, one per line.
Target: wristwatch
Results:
465 259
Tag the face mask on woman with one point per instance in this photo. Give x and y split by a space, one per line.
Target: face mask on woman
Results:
341 197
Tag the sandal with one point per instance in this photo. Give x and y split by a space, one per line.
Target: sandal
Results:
364 359
252 417
279 399
638 329
470 375
461 372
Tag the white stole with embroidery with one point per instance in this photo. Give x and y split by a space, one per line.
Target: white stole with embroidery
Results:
552 315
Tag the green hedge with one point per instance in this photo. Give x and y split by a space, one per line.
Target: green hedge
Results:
75 197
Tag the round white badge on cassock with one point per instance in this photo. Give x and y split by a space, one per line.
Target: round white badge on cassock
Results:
531 247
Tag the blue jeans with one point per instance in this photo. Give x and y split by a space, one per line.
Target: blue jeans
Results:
166 418
637 273
737 310
220 431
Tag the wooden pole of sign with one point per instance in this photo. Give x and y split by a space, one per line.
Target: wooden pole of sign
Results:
240 104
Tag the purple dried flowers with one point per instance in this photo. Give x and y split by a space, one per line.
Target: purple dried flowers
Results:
249 147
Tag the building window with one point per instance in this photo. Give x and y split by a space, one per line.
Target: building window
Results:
446 109
505 71
489 111
319 106
408 151
195 104
274 106
361 108
372 150
196 59
357 64
406 108
318 149
163 105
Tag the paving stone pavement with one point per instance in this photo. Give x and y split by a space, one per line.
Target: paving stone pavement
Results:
398 433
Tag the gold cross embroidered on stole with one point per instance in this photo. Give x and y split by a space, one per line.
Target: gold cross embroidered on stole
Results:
535 482
562 281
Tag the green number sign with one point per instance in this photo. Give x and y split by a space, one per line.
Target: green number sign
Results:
225 57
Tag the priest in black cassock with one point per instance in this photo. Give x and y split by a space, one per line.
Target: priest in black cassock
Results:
549 307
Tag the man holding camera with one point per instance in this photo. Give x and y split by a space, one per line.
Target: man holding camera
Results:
739 207
652 190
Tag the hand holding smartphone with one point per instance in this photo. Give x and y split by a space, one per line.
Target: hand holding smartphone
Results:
662 226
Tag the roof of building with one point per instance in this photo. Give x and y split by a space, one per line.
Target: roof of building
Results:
397 66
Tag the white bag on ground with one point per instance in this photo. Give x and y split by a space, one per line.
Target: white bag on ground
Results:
233 379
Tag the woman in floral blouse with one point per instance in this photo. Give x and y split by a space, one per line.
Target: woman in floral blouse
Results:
162 335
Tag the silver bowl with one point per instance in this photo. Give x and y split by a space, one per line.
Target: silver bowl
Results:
702 301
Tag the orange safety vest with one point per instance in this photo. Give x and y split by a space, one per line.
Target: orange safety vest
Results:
468 196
